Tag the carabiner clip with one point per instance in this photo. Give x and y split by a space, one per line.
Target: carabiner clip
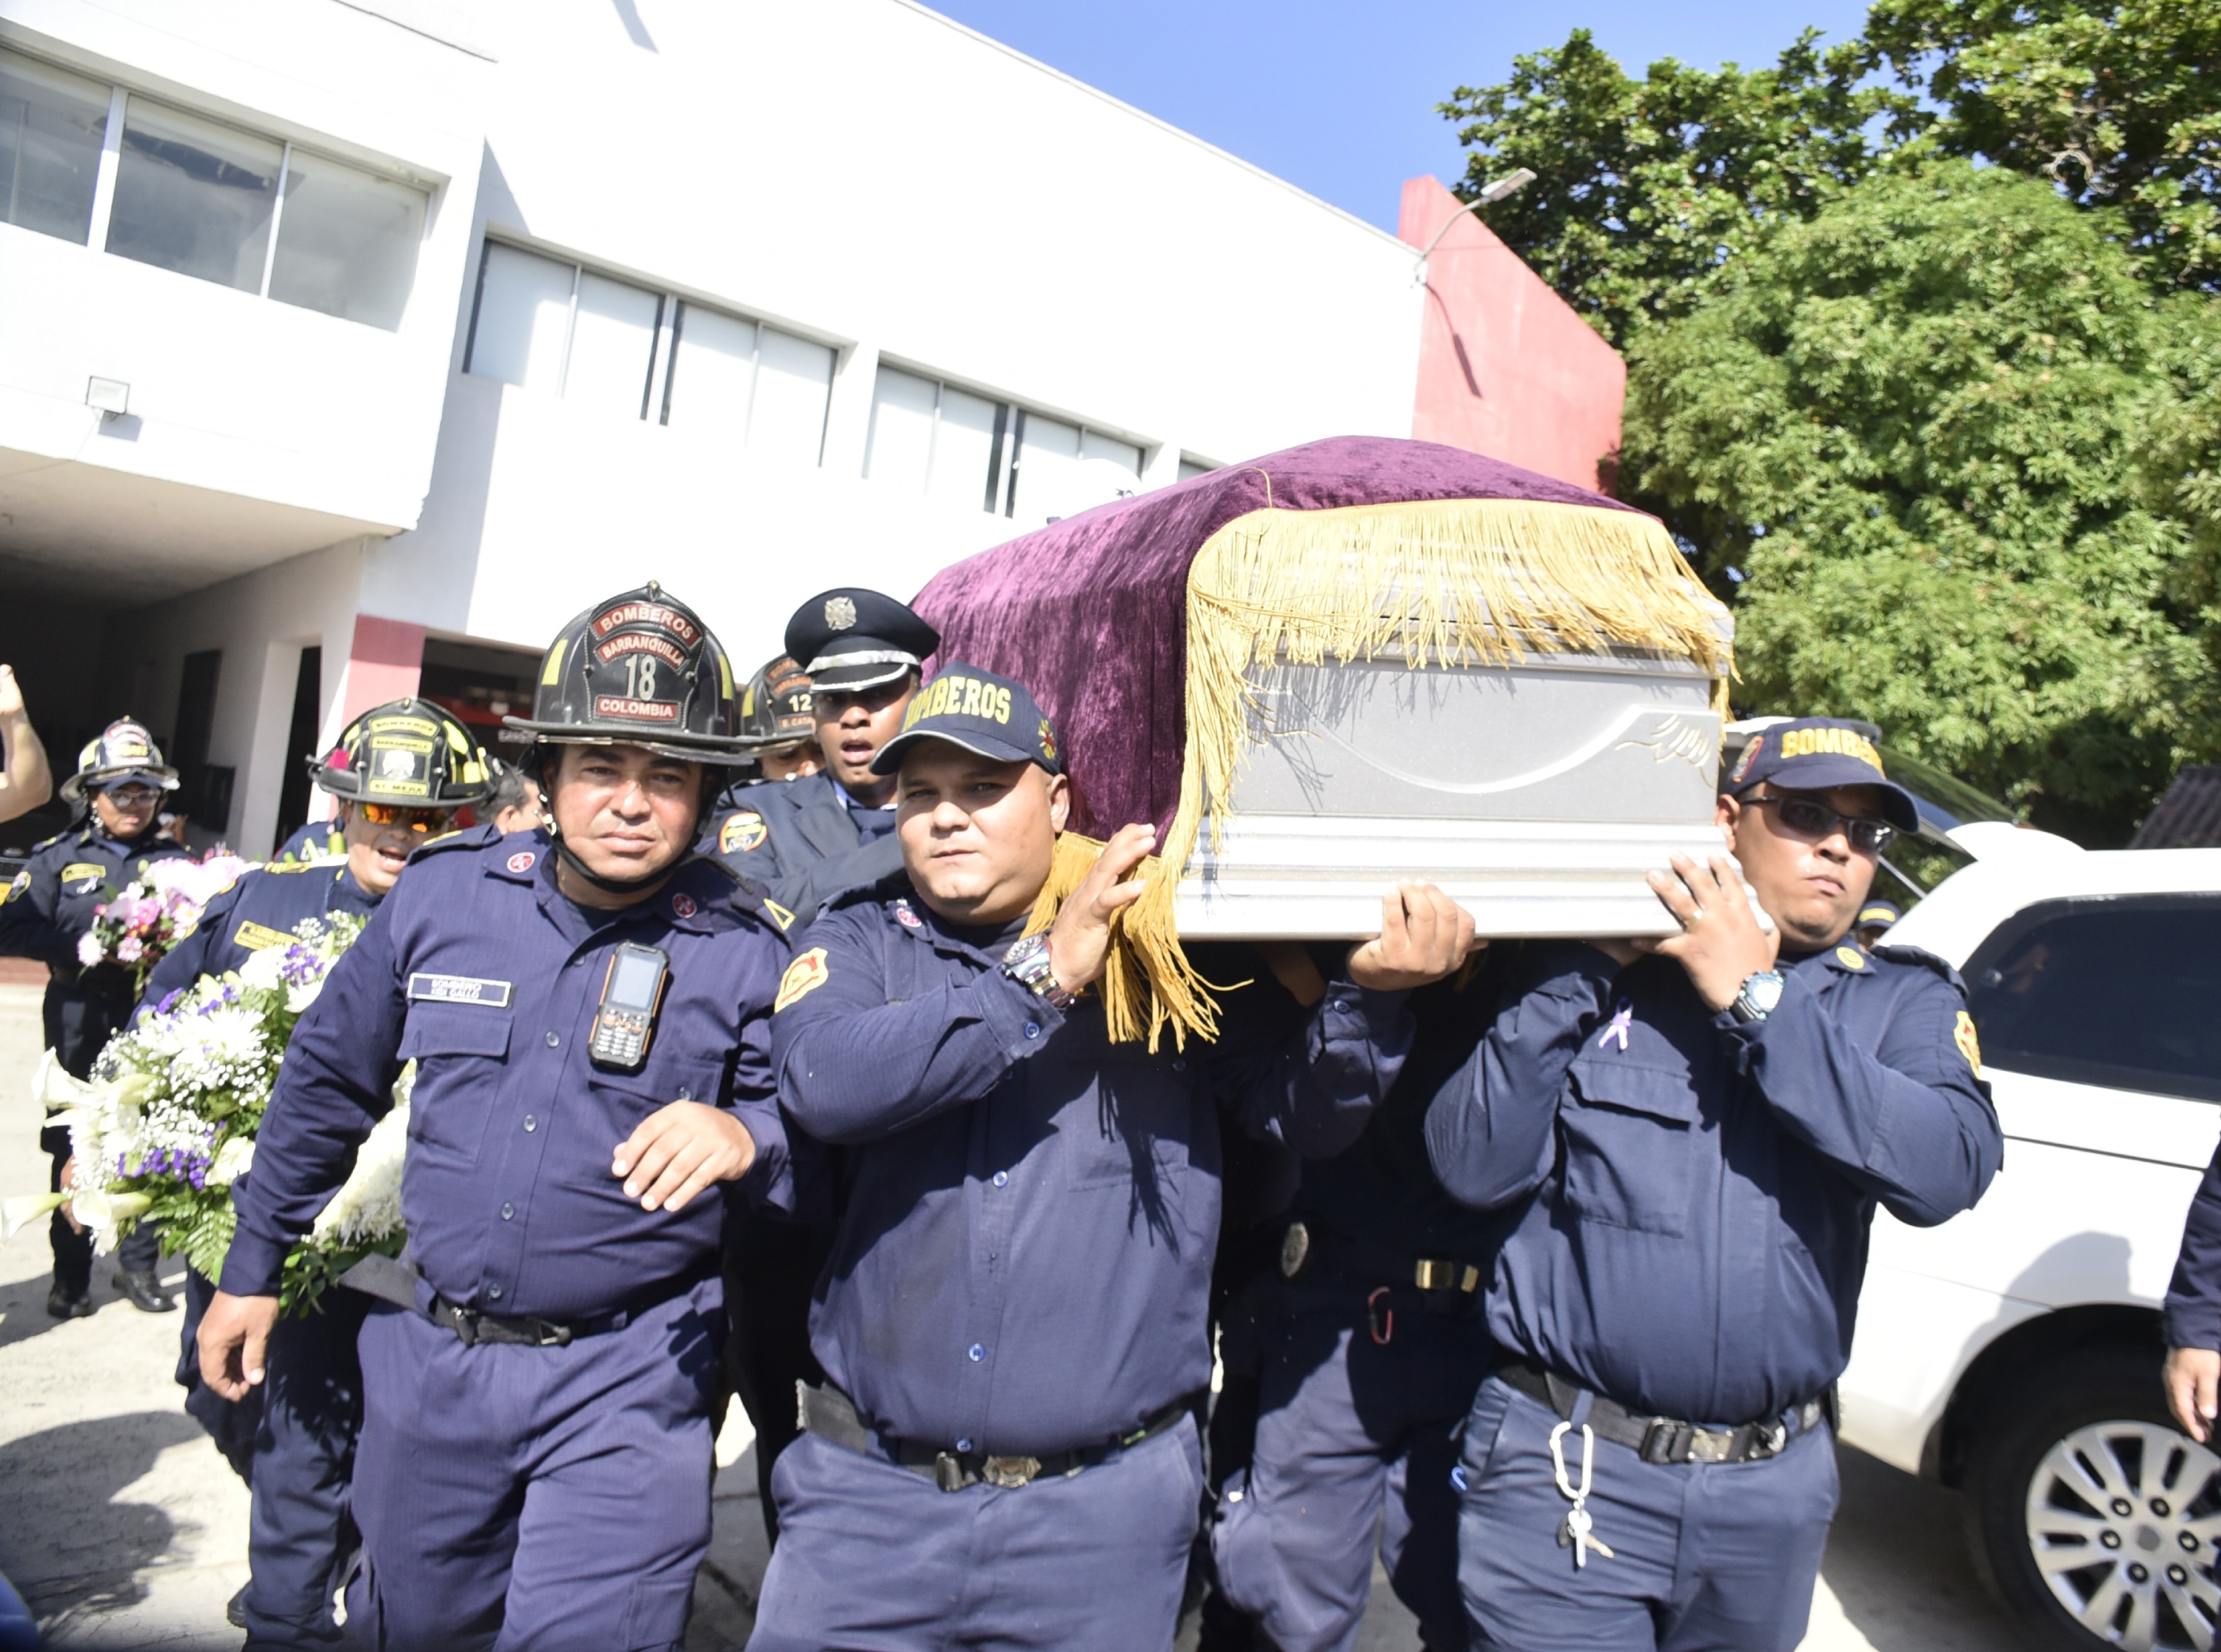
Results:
1373 1317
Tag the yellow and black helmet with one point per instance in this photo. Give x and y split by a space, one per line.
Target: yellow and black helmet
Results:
775 708
640 668
124 752
408 753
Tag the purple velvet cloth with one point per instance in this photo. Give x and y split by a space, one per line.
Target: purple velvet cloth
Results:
1090 613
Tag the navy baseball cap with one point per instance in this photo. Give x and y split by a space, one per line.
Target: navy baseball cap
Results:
1883 913
980 712
1816 754
853 639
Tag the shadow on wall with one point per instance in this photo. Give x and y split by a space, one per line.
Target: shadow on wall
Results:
65 1542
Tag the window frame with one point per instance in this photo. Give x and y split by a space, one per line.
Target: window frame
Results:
666 335
2001 941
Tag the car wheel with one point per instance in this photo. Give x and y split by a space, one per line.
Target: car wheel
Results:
2095 1520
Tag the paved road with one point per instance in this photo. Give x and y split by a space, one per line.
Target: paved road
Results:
124 1530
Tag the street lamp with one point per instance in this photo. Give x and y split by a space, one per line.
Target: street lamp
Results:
1510 182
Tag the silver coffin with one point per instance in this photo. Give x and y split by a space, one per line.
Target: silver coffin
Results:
1538 794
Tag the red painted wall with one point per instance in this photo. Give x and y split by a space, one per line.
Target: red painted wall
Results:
384 662
1506 367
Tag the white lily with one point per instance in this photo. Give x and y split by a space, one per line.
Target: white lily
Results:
16 1215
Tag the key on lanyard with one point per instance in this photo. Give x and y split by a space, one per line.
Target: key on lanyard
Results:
1577 1533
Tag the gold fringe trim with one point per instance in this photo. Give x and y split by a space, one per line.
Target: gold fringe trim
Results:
1456 582
1148 982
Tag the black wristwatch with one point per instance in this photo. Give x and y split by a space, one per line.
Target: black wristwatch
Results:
1029 965
1761 993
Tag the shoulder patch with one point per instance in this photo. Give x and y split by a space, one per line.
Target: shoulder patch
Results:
16 885
1970 1046
804 976
743 831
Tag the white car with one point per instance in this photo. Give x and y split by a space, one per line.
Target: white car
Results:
2014 1351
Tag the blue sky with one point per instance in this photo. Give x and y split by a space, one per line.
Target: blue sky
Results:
1337 96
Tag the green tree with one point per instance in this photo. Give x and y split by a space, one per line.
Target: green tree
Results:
1645 187
2117 102
1917 429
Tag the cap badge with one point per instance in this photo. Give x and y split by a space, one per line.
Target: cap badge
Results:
1749 755
839 613
682 905
521 861
1048 740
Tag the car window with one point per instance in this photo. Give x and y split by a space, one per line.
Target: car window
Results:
2121 991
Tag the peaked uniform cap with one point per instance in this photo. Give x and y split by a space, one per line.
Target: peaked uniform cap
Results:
853 639
408 753
124 751
639 669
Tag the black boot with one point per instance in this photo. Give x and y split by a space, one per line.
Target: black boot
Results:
235 1610
145 1291
64 1303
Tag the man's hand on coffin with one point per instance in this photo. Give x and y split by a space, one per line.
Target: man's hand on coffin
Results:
1424 936
1080 939
1720 944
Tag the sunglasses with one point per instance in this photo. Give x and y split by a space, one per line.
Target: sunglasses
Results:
1818 821
420 820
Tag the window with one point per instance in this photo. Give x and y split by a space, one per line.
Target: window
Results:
565 331
753 385
2118 992
948 444
50 128
1192 468
210 200
347 241
194 197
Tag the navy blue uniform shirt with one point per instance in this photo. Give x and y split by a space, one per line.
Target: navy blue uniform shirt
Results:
802 840
1699 1190
1383 1190
480 969
49 905
2193 1296
318 840
1024 1255
259 910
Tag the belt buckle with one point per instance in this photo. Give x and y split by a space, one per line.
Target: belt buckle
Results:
1427 1274
1010 1473
553 1336
1710 1445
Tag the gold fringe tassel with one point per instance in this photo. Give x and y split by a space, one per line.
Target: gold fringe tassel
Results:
1456 582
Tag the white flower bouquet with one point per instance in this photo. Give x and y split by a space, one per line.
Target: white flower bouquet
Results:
169 1121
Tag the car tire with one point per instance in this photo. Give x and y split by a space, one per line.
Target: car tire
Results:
2082 1459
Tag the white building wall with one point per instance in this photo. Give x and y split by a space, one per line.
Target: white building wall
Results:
869 174
862 173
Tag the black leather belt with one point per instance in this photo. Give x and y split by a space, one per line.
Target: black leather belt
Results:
472 1327
831 1415
1666 1439
1305 1247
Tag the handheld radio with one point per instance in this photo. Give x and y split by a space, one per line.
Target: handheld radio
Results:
631 993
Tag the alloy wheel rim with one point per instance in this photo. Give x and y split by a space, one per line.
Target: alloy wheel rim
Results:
2124 1521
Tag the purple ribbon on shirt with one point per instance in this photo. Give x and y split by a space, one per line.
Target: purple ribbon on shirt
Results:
1622 1018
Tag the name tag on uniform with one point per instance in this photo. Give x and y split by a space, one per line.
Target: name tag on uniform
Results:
458 989
82 869
256 937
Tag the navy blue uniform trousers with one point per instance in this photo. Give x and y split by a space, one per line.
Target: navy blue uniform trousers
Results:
1707 1557
534 1498
1360 1415
876 1558
292 1441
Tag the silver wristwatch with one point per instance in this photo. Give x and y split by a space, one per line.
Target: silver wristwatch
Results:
1761 993
1029 965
